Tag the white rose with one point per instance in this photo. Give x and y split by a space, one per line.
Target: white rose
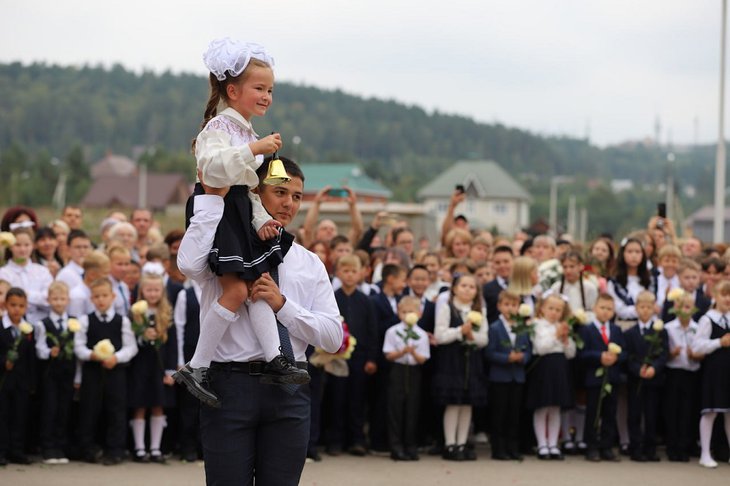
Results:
104 349
524 310
658 325
474 317
140 307
614 348
411 318
580 316
25 328
7 238
675 294
74 325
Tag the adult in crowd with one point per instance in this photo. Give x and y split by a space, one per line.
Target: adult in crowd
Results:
326 229
261 431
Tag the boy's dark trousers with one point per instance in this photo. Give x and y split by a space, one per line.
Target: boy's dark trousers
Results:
14 400
189 407
607 423
57 390
643 402
680 391
106 390
404 392
505 410
347 398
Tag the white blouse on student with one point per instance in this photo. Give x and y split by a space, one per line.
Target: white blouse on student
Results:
445 334
225 158
34 279
546 341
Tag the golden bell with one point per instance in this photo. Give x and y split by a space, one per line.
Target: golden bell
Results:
276 175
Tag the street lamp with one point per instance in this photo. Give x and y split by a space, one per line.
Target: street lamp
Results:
718 232
554 182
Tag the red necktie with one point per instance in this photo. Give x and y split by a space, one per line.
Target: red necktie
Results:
604 334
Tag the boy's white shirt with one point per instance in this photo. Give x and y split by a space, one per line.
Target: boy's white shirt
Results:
393 342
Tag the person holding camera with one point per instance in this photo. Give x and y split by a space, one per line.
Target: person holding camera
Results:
327 229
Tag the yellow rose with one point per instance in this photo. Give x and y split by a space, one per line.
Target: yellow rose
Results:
474 317
580 316
74 325
411 318
140 307
658 325
104 349
614 348
524 310
25 328
675 294
7 238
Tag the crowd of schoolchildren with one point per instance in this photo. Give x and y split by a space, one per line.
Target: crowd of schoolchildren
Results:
545 347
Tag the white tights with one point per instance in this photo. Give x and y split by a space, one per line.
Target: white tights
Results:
706 422
546 422
457 419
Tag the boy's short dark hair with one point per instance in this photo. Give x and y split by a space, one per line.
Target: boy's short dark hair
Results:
718 263
508 295
392 270
74 234
16 292
417 266
605 296
101 282
503 249
338 240
291 168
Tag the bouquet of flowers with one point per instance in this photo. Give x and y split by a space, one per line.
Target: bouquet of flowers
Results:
522 318
655 346
65 341
336 363
606 387
550 272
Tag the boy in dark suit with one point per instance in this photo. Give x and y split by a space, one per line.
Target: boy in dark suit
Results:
646 377
17 369
349 394
385 306
502 259
104 381
602 356
507 354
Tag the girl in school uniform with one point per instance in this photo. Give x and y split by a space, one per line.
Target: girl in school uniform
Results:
150 372
713 341
549 387
459 381
631 277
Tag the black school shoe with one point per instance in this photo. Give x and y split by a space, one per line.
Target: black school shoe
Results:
281 371
195 380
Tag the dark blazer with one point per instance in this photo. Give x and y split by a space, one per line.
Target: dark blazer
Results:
428 317
173 289
637 348
384 318
497 353
23 374
593 347
357 309
491 291
702 302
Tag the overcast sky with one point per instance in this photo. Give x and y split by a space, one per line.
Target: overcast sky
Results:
551 67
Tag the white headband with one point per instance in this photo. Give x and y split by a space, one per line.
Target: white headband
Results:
230 56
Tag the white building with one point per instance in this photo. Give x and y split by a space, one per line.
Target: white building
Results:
493 197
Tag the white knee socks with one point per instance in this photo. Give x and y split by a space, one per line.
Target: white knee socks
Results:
157 425
138 433
462 431
212 327
263 323
553 426
451 421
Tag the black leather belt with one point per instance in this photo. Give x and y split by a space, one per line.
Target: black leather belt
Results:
248 367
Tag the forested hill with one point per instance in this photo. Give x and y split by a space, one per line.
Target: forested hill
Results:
79 113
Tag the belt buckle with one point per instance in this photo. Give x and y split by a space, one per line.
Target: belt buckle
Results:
255 368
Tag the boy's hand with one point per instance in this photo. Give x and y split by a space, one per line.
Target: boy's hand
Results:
432 339
54 351
370 368
109 363
515 356
267 145
649 372
265 288
694 356
269 230
608 359
676 352
9 365
168 380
